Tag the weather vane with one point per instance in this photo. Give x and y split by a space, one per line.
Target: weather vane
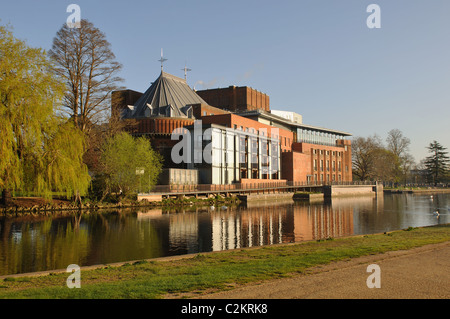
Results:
162 60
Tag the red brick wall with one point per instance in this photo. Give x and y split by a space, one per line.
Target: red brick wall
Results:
159 125
295 166
299 163
200 110
331 154
236 98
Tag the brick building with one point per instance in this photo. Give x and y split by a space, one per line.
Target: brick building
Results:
309 154
249 142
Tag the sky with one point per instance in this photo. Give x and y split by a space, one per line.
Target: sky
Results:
317 58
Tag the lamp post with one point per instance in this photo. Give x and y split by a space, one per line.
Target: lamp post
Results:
140 171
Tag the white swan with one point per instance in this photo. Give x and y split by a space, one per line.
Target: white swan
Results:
212 207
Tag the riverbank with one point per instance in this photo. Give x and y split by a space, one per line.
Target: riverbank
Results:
417 191
41 206
218 271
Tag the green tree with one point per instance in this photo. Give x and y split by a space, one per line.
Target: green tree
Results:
40 152
129 164
437 164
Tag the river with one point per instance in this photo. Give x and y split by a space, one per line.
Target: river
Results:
29 244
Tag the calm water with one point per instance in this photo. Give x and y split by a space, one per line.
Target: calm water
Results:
33 244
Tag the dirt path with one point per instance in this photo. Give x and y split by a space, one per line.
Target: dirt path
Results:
417 273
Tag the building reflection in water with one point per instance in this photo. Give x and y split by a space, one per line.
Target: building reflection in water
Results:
256 224
261 224
275 224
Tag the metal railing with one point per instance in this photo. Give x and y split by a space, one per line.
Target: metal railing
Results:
236 187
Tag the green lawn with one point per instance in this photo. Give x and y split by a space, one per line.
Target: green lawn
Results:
220 270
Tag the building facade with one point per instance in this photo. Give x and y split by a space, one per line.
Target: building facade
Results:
233 135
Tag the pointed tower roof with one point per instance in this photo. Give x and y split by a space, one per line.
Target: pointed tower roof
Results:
168 96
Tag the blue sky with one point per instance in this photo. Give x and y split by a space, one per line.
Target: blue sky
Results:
314 57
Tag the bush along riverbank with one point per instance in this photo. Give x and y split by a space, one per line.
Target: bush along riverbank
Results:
206 272
41 206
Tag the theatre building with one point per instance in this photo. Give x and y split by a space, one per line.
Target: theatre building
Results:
234 136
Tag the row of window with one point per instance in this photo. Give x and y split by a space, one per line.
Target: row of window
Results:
263 132
327 153
333 165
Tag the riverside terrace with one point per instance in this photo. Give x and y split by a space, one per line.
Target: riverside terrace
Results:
260 191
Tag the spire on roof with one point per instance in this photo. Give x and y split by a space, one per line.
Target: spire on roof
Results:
162 60
185 69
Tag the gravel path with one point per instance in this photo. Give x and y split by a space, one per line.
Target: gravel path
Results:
419 273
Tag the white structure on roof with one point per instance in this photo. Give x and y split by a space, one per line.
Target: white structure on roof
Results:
291 116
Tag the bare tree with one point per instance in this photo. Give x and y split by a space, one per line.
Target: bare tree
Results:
399 146
84 60
397 143
364 154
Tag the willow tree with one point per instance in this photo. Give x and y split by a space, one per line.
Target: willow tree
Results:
40 152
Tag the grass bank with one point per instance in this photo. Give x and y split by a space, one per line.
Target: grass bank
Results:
220 270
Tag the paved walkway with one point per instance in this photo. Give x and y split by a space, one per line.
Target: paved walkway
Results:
419 273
